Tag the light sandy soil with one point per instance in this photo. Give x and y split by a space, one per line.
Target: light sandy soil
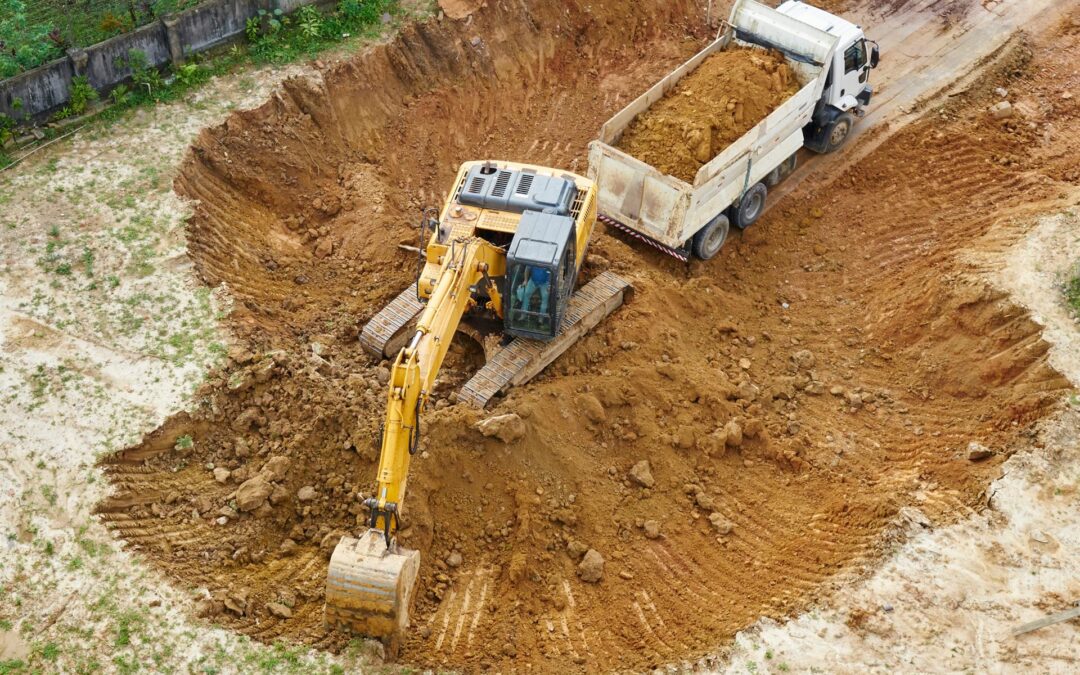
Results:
103 332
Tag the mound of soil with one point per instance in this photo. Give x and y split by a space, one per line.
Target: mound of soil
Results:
723 98
792 399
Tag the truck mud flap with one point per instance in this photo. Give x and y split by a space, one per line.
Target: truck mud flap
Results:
682 254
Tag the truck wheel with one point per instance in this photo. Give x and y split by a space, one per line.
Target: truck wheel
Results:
751 206
710 239
838 132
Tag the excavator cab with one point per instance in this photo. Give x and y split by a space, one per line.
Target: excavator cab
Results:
540 275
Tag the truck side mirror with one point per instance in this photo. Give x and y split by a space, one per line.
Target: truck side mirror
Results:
875 56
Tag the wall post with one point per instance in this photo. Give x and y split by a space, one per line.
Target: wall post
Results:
176 50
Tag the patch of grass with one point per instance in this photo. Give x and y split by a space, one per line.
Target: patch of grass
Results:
1072 292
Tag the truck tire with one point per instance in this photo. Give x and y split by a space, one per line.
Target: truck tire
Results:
750 207
838 131
710 239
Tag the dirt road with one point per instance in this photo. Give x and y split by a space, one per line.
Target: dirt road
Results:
799 398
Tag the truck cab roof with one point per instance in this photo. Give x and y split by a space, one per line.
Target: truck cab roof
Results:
844 30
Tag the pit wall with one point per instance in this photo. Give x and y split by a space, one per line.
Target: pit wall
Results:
171 39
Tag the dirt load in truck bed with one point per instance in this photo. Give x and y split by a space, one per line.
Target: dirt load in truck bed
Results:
729 93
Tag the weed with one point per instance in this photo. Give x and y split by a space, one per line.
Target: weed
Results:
82 94
1072 292
49 493
50 651
185 442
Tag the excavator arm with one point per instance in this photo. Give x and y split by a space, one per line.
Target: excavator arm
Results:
370 581
417 365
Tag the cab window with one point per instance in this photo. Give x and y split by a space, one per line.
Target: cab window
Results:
855 56
531 299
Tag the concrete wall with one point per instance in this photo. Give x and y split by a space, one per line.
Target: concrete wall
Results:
46 88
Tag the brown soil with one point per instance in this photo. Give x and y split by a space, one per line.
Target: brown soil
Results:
709 109
301 204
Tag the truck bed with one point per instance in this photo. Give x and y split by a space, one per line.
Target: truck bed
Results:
668 210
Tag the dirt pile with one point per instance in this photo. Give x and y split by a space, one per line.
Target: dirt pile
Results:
723 98
791 400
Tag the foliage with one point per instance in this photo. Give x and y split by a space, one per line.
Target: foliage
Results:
24 44
277 39
1072 293
82 94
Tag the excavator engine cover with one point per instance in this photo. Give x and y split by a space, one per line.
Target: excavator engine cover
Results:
369 587
517 191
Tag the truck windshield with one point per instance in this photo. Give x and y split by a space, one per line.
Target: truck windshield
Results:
530 299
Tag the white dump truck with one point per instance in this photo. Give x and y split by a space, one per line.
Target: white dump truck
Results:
832 60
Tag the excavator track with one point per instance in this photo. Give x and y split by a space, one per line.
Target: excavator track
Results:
523 359
384 335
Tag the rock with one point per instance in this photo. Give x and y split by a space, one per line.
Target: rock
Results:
977 451
279 610
276 468
324 248
207 608
591 568
1001 92
753 428
221 475
507 428
306 494
454 560
803 359
279 495
597 262
330 541
704 500
237 601
221 520
652 529
836 390
744 363
576 549
1001 110
734 433
382 374
245 419
684 438
287 548
641 474
720 523
253 493
592 408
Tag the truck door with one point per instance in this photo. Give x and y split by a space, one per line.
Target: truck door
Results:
856 72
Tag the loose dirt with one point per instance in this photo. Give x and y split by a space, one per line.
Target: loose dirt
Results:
722 99
786 428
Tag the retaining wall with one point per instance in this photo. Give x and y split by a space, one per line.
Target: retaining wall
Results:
37 93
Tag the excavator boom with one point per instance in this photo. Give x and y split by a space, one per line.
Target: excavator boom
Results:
371 579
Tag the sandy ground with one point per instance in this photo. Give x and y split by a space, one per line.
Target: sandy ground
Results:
104 333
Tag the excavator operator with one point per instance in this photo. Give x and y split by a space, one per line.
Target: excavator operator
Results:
536 279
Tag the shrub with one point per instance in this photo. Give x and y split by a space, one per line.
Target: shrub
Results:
82 94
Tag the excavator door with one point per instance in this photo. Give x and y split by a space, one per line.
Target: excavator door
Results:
540 275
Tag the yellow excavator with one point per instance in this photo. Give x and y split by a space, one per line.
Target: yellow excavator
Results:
507 246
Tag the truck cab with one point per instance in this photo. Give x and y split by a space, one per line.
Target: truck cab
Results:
847 90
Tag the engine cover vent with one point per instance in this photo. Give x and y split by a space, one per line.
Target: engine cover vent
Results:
516 191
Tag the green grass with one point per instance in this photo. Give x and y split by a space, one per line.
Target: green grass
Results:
1072 292
37 31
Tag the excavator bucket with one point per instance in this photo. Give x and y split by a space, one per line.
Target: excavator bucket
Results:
369 588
